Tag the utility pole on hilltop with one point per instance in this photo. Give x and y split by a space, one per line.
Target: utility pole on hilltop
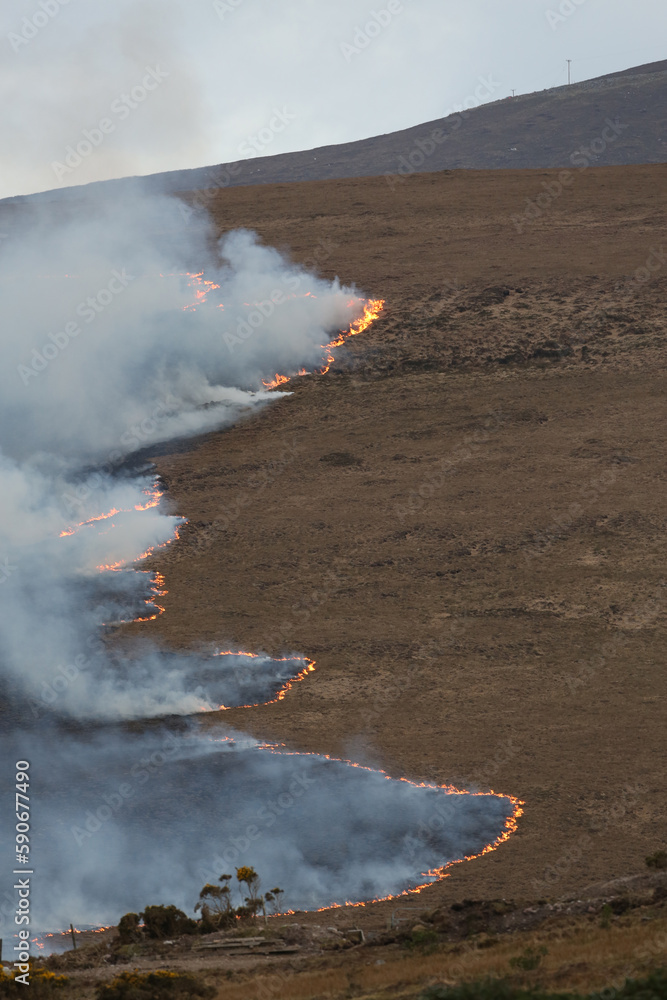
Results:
569 72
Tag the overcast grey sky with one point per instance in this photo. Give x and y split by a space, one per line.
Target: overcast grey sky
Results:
140 86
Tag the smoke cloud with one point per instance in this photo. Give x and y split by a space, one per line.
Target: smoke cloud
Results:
111 345
122 329
128 820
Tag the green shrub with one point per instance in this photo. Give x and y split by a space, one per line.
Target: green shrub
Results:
127 952
215 901
153 986
43 983
653 987
530 960
340 458
128 928
423 938
657 860
167 921
488 989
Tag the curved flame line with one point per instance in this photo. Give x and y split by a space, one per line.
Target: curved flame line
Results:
372 309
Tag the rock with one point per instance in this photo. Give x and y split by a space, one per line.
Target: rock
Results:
501 906
355 935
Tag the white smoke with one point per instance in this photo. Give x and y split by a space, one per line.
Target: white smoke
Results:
128 820
121 61
103 351
110 345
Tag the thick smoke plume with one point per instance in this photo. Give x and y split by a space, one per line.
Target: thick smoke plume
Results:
127 820
122 330
111 345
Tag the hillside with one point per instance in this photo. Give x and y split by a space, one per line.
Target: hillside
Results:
497 625
612 120
461 523
479 573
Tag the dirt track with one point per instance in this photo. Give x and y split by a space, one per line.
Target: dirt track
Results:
481 580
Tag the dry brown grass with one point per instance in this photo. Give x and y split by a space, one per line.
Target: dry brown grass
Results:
492 642
581 957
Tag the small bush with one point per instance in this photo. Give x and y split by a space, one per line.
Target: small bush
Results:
654 987
43 983
167 921
423 938
488 989
128 928
530 960
340 458
657 860
153 986
215 901
126 952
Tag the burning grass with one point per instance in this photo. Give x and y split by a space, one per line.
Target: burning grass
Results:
372 310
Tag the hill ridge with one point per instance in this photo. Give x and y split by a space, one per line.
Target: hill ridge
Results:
539 130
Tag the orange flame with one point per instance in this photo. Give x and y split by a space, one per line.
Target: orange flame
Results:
157 590
372 309
276 381
308 669
202 289
510 827
155 494
122 563
91 520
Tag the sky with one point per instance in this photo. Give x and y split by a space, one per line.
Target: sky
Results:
94 89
